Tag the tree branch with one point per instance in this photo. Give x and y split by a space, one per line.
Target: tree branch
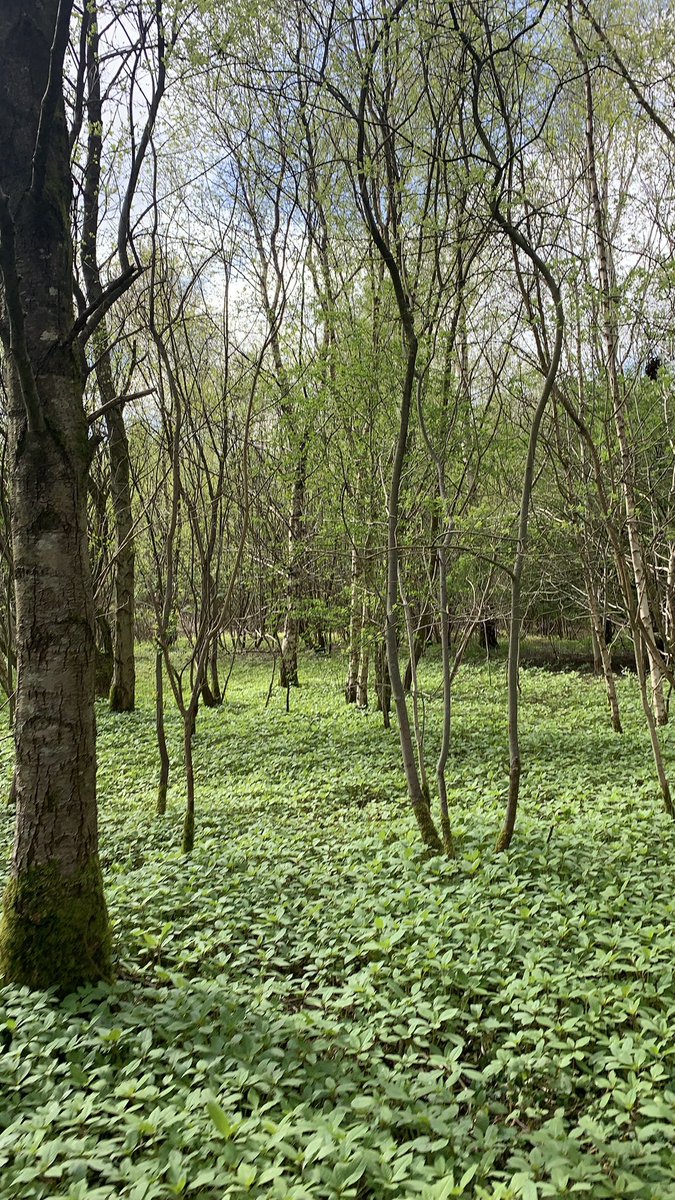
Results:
126 399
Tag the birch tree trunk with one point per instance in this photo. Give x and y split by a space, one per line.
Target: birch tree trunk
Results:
55 926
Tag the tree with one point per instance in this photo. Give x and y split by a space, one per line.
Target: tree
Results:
55 927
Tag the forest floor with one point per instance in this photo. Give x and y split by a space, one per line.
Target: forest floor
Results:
309 1008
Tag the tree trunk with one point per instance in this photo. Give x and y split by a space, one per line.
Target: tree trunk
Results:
364 659
597 657
288 674
55 927
419 644
383 685
607 281
164 764
104 656
418 799
189 820
354 632
599 642
123 690
216 690
123 687
488 635
444 751
520 240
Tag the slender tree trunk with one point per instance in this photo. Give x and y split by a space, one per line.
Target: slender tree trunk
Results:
55 926
211 698
607 279
418 800
597 657
419 643
519 240
164 764
123 688
425 822
418 724
364 658
634 617
383 685
216 690
189 821
653 731
288 672
446 830
598 628
354 632
104 656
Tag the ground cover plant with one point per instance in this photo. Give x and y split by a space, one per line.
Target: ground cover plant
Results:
308 1007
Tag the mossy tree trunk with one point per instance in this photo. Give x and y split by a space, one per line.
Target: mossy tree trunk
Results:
55 926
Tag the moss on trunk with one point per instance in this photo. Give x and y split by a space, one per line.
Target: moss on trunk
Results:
54 930
120 699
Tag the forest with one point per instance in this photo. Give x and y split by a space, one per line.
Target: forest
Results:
337 599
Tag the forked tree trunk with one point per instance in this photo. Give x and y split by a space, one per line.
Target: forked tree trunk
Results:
419 802
55 926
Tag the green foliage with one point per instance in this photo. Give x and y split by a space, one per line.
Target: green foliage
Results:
308 1008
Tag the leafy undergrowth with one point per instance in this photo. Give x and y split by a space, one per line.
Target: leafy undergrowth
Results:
309 1008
